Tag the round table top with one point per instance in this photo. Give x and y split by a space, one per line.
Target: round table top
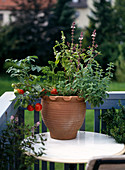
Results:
79 150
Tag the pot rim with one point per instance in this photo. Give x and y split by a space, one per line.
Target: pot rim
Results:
65 98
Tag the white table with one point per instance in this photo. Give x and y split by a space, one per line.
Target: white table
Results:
79 150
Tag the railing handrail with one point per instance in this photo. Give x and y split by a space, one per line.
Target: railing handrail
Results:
5 101
7 97
6 108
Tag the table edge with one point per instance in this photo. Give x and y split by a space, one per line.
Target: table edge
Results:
43 158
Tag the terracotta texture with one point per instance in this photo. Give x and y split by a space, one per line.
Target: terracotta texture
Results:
63 115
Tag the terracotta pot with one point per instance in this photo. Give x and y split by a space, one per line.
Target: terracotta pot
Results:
63 115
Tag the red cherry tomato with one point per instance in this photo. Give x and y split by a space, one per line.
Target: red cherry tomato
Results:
38 107
54 91
20 91
30 108
43 90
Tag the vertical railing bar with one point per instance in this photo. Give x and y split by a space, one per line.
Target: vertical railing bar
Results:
51 166
81 167
44 163
83 126
66 166
103 125
36 119
44 128
97 121
73 167
20 114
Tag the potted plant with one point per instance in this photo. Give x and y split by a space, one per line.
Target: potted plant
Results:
74 78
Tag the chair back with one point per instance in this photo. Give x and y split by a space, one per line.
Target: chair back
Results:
107 163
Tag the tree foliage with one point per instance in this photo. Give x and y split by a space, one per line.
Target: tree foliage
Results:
120 19
120 65
34 28
104 21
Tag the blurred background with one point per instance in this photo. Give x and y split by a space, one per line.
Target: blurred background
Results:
31 27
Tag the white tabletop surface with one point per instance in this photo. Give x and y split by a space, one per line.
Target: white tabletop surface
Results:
79 150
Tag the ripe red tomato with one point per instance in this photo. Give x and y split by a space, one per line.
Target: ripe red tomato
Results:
20 91
43 90
30 108
38 107
54 91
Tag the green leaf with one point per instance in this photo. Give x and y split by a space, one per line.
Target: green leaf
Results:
33 67
58 55
37 87
17 103
38 68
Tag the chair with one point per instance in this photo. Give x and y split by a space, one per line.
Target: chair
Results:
107 163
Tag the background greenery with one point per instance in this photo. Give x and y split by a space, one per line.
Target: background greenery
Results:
34 30
109 22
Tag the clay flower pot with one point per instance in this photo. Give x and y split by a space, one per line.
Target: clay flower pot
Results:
63 115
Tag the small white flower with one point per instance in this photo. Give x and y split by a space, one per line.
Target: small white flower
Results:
63 37
73 26
93 35
12 117
16 119
37 124
80 38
